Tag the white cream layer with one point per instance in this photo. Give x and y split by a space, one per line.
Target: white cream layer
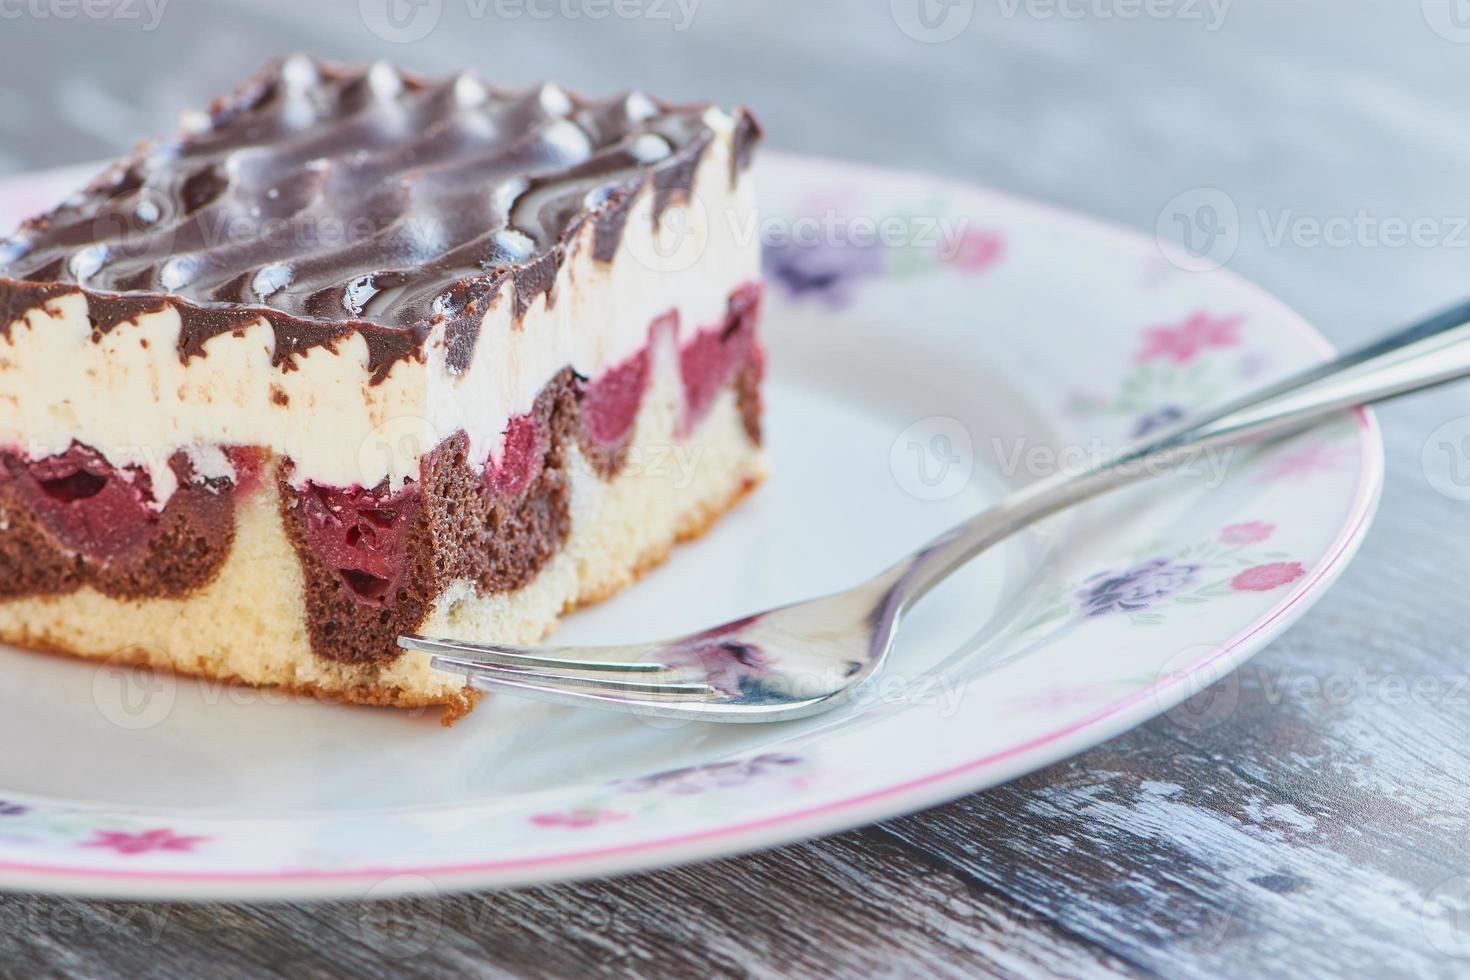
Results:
130 397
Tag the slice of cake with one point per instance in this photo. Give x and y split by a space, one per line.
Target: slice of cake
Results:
361 353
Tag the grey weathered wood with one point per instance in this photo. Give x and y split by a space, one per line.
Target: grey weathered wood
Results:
1299 836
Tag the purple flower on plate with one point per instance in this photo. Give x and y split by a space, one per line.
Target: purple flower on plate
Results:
1159 418
826 270
1135 588
712 775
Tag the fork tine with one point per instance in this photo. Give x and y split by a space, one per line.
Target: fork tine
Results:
690 707
496 653
525 677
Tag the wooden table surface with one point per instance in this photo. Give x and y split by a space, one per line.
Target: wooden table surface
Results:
1321 829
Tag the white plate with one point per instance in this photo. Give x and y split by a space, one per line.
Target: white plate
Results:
911 379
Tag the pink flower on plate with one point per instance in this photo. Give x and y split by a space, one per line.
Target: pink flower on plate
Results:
160 839
1317 457
1251 532
1184 342
1264 578
582 816
976 251
1063 696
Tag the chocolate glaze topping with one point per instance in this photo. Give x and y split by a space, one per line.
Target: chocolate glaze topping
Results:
329 199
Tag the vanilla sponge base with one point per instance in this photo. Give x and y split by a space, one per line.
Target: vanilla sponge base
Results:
248 624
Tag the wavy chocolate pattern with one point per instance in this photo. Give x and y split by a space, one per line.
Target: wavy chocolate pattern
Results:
329 199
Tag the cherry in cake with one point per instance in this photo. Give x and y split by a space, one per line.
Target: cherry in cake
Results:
361 353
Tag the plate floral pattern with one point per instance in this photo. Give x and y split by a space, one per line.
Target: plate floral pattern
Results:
1107 342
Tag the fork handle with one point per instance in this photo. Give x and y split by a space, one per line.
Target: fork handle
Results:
1429 353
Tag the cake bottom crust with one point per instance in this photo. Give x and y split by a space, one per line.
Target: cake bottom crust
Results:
248 626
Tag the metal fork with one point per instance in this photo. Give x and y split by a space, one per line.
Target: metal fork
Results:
810 656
